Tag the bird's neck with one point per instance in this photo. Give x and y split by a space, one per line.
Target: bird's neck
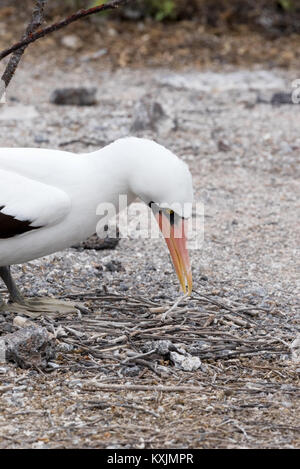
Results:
113 167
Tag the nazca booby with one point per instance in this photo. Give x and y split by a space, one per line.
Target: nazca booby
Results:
49 199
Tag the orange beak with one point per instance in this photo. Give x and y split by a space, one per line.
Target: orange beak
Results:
174 235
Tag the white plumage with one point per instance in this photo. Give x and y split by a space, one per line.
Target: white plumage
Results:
57 193
41 203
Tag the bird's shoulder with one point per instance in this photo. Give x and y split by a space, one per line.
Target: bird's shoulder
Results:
27 204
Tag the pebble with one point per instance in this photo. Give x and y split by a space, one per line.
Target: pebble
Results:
114 266
41 139
151 115
281 98
131 371
80 96
72 41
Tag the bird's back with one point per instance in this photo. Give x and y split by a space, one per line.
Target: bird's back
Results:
36 163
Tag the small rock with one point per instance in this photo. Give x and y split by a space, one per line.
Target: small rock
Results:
38 445
29 347
8 327
163 347
53 365
94 242
223 146
281 98
114 266
72 42
64 347
75 383
74 96
131 371
295 348
255 291
198 347
112 32
185 362
41 139
150 115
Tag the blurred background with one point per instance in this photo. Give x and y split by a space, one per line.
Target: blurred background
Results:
176 32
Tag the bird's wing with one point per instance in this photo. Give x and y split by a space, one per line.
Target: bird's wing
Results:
26 204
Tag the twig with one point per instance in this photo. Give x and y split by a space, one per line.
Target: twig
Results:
146 364
221 305
236 320
179 300
140 355
36 21
142 387
104 405
61 24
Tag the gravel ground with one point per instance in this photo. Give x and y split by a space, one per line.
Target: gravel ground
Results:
244 156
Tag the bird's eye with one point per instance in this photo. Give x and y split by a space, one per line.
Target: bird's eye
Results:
171 214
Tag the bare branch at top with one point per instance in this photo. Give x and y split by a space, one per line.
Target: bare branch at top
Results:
61 24
36 21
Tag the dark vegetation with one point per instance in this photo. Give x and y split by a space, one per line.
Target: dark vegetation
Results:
173 33
275 16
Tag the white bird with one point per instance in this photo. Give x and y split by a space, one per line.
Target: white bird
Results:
49 199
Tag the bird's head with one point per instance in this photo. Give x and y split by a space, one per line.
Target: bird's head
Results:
161 180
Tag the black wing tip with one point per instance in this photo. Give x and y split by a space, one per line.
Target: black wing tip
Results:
11 226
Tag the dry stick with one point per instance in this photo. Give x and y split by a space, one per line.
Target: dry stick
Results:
179 300
102 405
141 355
36 21
142 387
61 24
222 305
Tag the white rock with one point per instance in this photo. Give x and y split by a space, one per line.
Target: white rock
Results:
185 362
150 115
295 348
71 42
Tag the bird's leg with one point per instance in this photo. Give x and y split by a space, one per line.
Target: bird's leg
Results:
15 294
31 305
